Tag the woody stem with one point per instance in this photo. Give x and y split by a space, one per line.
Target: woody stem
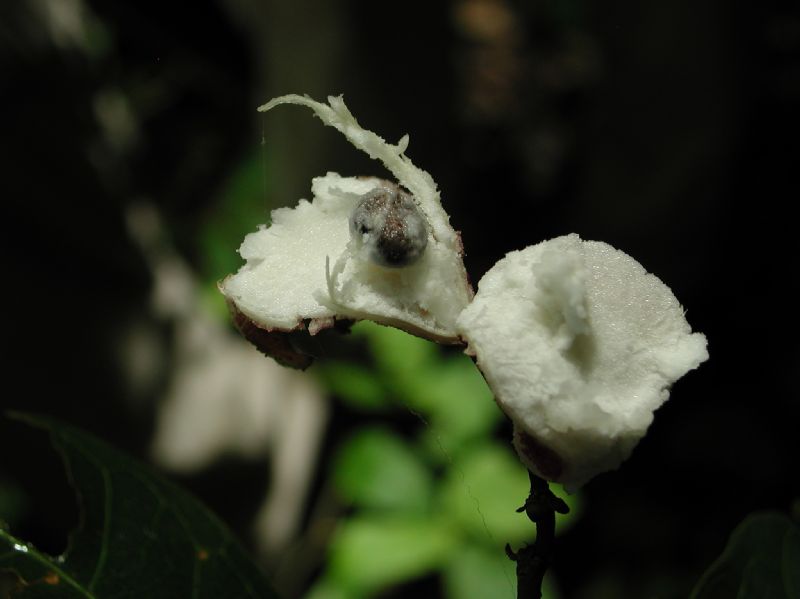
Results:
532 560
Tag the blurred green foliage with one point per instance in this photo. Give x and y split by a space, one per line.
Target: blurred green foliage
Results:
240 205
371 551
439 501
477 572
356 385
762 559
377 470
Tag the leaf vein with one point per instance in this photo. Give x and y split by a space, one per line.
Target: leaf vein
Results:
101 559
48 562
107 501
234 568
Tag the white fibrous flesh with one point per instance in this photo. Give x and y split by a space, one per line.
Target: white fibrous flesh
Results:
580 346
304 268
284 279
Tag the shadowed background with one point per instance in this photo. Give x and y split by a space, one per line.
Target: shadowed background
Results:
129 133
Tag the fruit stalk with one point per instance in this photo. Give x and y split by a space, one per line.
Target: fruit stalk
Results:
533 560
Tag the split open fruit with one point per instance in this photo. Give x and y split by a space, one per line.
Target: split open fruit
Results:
578 343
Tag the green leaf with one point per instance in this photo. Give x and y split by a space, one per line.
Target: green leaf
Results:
140 535
400 357
451 384
448 393
326 589
457 403
476 572
761 560
481 493
354 384
373 552
376 469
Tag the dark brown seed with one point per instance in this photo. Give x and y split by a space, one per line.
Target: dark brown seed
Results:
389 224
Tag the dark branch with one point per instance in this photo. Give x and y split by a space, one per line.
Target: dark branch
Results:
533 560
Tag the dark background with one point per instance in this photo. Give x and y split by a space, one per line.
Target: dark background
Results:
667 129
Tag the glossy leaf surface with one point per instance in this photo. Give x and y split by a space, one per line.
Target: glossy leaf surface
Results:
140 535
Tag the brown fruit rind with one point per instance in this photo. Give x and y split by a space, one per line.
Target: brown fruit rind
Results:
541 459
280 344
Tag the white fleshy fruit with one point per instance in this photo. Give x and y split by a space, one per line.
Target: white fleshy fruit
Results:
579 345
306 269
